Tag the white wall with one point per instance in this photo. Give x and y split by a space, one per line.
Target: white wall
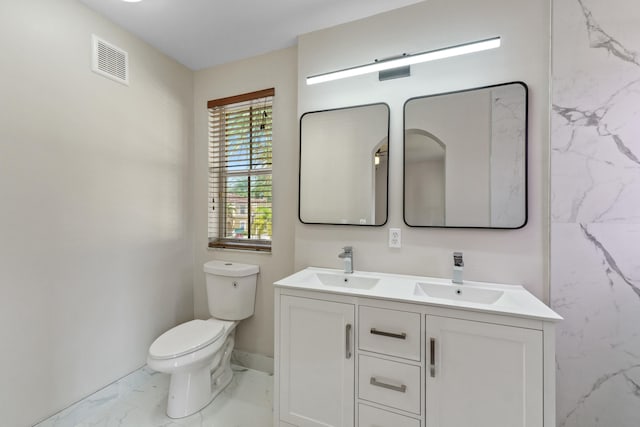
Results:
424 188
380 183
95 255
278 70
511 256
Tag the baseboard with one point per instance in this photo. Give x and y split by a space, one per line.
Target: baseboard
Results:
255 361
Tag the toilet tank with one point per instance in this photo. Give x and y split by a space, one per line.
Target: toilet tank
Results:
231 289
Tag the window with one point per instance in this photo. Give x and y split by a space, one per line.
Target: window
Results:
240 213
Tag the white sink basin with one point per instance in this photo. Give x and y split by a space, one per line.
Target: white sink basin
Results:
479 296
455 292
347 280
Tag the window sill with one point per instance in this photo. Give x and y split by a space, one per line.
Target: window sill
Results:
241 246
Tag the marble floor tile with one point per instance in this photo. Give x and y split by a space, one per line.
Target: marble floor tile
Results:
139 400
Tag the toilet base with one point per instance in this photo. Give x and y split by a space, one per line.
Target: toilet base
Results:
190 392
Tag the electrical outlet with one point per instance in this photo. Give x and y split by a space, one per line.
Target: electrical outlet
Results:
395 238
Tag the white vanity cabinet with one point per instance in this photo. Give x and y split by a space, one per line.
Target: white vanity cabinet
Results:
390 366
352 358
316 356
483 374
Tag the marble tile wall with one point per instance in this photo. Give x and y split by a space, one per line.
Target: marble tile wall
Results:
595 211
507 170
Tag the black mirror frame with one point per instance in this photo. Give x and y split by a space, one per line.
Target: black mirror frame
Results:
386 219
526 157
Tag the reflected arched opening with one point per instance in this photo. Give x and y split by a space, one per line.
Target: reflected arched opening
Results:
425 178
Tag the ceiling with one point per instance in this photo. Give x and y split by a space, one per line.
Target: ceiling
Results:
204 33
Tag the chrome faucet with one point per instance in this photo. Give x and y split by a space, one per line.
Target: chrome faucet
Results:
347 255
458 268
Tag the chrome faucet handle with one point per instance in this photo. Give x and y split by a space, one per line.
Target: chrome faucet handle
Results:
457 259
347 255
458 267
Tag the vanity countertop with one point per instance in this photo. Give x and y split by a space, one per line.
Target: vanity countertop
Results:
501 299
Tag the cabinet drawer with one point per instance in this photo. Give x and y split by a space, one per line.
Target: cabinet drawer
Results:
389 383
369 416
392 332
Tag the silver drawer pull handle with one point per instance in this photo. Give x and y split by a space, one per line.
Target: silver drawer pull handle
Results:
401 388
432 358
348 341
400 336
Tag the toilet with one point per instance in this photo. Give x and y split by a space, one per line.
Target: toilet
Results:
197 354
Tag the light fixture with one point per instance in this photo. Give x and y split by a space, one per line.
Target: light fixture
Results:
131 1
406 60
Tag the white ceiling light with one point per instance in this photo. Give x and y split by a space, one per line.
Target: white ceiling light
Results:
131 1
406 60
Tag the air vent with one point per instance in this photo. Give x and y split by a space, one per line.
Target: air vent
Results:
110 61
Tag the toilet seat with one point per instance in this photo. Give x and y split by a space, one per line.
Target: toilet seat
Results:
186 338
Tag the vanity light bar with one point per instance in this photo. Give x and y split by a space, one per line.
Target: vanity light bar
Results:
403 61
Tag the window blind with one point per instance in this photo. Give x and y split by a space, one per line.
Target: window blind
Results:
240 171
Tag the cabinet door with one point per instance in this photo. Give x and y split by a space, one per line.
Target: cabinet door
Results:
316 362
482 375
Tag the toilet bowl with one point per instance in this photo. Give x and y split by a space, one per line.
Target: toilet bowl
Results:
197 354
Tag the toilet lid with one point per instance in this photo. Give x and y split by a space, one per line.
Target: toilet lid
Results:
186 338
